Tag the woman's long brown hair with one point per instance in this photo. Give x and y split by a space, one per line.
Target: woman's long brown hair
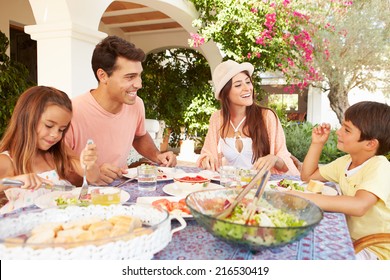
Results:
20 138
254 123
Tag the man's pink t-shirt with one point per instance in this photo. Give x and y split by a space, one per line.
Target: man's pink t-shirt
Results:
113 134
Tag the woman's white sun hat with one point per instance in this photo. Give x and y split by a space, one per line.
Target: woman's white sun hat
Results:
227 70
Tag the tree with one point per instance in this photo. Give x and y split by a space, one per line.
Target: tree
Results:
309 41
14 79
269 34
176 89
353 51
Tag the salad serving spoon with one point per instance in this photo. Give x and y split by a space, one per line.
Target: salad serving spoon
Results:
225 213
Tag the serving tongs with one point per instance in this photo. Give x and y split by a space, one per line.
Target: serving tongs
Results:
251 207
53 187
261 174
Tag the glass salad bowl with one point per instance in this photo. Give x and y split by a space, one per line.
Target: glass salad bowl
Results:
288 218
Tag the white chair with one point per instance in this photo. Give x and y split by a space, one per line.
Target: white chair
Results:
156 130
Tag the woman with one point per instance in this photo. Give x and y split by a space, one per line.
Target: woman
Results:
243 134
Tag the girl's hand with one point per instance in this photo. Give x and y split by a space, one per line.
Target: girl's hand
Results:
88 156
320 133
31 181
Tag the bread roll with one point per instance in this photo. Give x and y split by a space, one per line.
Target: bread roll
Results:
100 226
47 226
44 236
315 186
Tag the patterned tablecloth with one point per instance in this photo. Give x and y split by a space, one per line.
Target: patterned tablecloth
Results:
330 240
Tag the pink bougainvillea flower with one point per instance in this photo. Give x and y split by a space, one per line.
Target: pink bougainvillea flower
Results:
197 40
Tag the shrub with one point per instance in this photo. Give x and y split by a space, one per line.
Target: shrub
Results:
298 139
176 89
14 79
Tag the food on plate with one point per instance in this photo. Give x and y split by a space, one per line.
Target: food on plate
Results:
195 179
315 186
191 180
91 229
172 206
72 199
288 184
106 196
265 216
161 175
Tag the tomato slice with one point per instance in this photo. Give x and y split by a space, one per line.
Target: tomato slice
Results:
163 203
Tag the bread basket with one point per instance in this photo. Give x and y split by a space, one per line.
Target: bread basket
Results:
128 246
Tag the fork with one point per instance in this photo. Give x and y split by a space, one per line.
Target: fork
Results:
225 213
251 208
84 186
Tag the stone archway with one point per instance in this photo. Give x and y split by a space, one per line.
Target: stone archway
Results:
66 36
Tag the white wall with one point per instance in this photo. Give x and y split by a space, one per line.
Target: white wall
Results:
16 12
319 110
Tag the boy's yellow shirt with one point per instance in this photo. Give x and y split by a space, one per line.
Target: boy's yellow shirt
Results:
374 177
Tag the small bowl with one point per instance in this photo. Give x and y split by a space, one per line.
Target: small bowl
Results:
191 180
106 196
205 205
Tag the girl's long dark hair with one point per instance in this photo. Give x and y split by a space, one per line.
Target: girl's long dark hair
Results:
20 138
254 123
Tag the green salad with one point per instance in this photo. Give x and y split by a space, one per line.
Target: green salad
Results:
268 225
288 184
63 202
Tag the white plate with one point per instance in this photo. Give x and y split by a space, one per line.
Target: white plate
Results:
326 190
150 199
48 200
175 190
169 172
213 175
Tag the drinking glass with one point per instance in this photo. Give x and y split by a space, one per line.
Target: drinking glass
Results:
147 177
228 176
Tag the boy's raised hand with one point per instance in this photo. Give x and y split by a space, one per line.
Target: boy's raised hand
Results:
320 133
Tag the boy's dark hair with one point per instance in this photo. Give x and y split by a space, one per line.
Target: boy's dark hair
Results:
109 49
373 121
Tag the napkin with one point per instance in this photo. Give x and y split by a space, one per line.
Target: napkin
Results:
18 198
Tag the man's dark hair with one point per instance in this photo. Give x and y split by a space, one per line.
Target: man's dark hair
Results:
109 49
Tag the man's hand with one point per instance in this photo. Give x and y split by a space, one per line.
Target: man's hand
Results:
109 172
167 159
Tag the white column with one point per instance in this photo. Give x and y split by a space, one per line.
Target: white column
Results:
64 56
66 32
314 105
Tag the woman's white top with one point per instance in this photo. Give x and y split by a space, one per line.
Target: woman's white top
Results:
243 159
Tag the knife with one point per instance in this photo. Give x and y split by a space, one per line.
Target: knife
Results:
52 187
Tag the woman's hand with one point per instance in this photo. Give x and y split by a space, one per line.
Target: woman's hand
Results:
270 161
208 163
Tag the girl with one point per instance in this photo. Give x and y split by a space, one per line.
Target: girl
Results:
244 133
33 150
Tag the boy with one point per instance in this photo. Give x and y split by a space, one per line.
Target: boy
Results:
363 174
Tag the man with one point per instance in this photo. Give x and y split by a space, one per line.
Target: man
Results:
112 114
